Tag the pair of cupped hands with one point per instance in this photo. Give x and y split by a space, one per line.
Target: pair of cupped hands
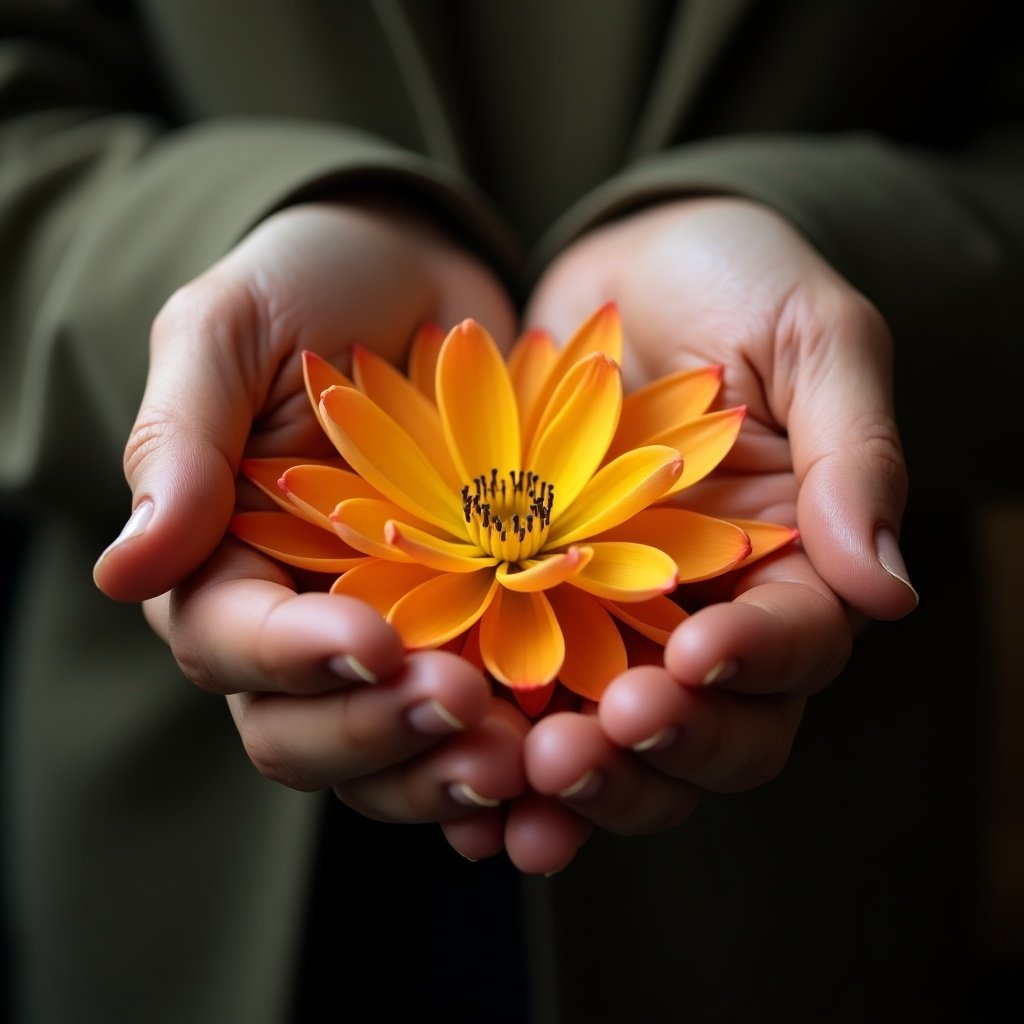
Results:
320 689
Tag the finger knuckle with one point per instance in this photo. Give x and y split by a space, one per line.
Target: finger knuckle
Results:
270 758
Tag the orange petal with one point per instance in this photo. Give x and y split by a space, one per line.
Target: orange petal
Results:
544 573
265 473
435 552
295 541
624 571
529 364
477 403
618 491
469 649
382 453
381 585
316 490
655 619
320 375
702 547
423 352
764 538
664 404
520 640
703 443
363 522
535 700
575 430
442 608
601 332
594 651
407 406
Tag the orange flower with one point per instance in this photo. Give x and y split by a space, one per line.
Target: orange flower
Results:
510 510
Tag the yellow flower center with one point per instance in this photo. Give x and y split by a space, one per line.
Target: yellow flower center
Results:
508 516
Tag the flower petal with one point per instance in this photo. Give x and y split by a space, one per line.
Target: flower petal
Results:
594 651
295 541
381 585
664 404
534 701
382 453
407 406
575 431
624 571
703 443
618 491
544 573
435 552
477 404
520 640
702 547
362 523
265 473
655 619
764 538
442 608
601 332
315 491
320 375
423 352
529 364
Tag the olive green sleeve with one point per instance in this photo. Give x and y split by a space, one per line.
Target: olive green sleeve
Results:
104 213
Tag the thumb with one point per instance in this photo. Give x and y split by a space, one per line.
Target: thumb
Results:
182 455
849 465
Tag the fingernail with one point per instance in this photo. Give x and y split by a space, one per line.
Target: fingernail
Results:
434 719
661 740
137 523
464 794
889 556
724 670
585 787
348 666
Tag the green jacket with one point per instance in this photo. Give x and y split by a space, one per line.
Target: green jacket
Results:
140 140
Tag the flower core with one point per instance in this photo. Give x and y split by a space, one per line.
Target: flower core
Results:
508 518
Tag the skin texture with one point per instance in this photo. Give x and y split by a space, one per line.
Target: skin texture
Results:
319 688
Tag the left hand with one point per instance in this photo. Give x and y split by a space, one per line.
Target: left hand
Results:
729 282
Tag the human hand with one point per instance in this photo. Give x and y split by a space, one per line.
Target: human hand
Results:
726 281
226 380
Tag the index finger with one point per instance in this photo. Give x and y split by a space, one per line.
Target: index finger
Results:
786 633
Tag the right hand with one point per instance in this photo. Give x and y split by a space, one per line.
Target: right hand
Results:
427 742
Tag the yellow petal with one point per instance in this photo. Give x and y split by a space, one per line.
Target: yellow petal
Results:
407 406
363 523
601 332
423 353
764 538
442 608
544 573
295 541
320 375
435 552
316 490
382 453
594 651
529 363
381 585
702 547
618 491
664 404
520 640
703 443
574 434
478 406
624 571
655 619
